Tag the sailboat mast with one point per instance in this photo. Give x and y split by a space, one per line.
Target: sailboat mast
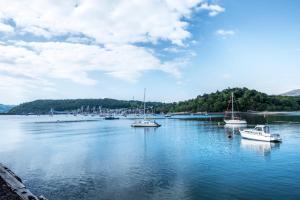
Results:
232 115
144 103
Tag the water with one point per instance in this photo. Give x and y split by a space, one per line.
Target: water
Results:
182 159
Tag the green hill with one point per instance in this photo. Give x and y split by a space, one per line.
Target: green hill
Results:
245 100
44 106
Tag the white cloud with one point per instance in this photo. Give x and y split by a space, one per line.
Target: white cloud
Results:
225 33
116 25
172 49
213 9
20 89
74 61
35 30
6 28
79 37
107 21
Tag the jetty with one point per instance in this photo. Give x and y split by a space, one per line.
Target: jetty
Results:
12 187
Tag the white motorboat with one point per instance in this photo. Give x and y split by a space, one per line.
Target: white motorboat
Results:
145 122
260 132
234 120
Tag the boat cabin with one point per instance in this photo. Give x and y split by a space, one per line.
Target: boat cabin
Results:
262 128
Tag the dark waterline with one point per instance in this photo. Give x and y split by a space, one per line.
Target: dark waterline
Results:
183 159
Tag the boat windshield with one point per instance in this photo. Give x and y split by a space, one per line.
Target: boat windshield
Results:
266 129
258 128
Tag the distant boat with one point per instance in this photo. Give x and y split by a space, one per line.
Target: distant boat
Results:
51 112
260 132
234 120
111 117
145 122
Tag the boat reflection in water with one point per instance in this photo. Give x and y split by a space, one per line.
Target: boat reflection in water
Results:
260 147
233 129
148 134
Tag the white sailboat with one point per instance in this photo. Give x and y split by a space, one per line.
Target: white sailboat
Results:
260 132
145 122
234 120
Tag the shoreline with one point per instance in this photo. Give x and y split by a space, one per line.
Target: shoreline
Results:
12 187
184 113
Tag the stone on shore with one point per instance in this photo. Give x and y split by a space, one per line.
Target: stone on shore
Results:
12 188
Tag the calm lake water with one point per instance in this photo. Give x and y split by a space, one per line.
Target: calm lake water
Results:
183 159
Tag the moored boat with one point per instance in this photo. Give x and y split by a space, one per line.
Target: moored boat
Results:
234 120
261 133
111 118
145 122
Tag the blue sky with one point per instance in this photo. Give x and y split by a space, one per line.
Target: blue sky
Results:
176 49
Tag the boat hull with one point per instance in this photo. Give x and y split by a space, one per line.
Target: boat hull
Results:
231 121
111 118
145 125
235 125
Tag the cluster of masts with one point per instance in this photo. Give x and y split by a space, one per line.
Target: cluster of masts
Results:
98 110
109 114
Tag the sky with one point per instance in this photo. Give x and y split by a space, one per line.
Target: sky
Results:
177 49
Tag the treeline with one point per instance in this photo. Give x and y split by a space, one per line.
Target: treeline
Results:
44 106
245 100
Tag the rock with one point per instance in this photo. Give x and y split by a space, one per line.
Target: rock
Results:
41 197
12 188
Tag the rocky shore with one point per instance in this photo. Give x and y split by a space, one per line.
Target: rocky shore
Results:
12 188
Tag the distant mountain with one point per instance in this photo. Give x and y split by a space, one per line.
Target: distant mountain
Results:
5 108
292 93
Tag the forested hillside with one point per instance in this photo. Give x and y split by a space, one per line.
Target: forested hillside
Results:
44 106
245 100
